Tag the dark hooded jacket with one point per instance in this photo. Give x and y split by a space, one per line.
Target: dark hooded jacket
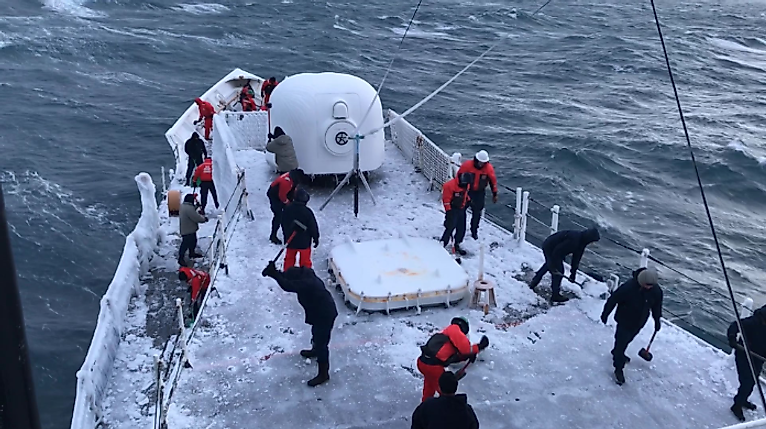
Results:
298 211
195 148
634 303
312 294
557 246
445 412
755 332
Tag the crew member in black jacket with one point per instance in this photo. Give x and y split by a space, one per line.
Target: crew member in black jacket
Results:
320 312
755 333
195 149
301 242
448 411
555 248
634 299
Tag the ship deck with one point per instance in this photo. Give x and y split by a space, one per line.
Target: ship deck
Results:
545 367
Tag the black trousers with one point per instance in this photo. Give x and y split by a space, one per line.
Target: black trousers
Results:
190 166
623 335
206 187
477 206
188 242
277 207
554 266
746 382
454 221
320 340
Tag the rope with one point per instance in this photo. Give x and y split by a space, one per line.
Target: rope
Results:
447 83
707 208
388 70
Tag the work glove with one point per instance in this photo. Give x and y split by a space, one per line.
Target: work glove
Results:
605 317
494 197
271 136
197 121
657 326
316 243
572 276
733 342
270 270
472 358
484 342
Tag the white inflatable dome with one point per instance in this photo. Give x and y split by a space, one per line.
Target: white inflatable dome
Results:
320 112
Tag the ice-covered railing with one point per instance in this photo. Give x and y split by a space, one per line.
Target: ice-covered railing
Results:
250 129
140 246
232 192
427 157
535 220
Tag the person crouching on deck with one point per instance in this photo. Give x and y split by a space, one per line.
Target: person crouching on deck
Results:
280 193
443 349
300 244
281 145
203 177
198 282
455 198
206 113
320 310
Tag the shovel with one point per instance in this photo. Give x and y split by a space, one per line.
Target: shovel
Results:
461 372
289 239
644 353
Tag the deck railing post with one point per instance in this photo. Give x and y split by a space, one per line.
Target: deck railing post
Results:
524 215
554 219
644 262
517 217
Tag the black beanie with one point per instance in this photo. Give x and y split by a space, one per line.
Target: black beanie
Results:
189 198
448 383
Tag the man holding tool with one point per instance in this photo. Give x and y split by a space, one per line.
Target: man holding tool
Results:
320 310
445 348
754 328
634 299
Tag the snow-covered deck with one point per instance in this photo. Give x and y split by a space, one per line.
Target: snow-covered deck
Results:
551 370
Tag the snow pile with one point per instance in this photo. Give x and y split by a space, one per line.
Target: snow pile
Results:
140 246
228 177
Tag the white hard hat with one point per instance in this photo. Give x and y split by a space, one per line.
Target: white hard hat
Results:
482 156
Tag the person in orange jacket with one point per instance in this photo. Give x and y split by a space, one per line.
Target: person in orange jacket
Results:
455 198
206 112
198 282
482 174
247 98
203 177
443 349
280 193
266 89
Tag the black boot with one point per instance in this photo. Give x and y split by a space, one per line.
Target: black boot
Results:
627 359
619 376
274 239
308 353
322 376
474 234
460 251
558 298
737 410
749 405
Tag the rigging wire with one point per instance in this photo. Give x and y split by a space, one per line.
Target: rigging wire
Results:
707 209
447 83
388 70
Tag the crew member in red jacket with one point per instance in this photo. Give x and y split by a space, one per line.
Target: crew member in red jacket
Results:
203 177
198 282
443 349
266 89
483 174
280 193
455 198
206 112
247 98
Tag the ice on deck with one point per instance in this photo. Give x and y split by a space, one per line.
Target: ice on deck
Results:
397 273
545 367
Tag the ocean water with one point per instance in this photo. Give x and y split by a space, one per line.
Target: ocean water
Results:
574 105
